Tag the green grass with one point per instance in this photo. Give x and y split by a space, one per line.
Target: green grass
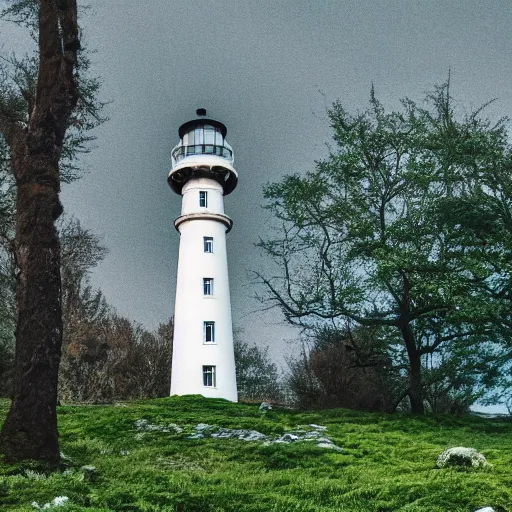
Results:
387 462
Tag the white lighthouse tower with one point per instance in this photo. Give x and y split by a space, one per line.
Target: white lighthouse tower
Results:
202 172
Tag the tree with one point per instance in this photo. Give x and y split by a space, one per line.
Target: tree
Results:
257 376
104 357
138 362
368 238
7 288
45 109
346 368
85 311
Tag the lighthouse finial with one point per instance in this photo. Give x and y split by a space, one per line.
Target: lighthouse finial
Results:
201 112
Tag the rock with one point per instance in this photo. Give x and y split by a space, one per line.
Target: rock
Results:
265 406
59 501
289 438
325 442
461 456
330 445
141 424
485 509
200 427
65 458
204 430
311 436
243 435
145 426
317 427
254 435
318 435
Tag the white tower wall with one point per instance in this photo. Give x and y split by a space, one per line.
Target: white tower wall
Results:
191 353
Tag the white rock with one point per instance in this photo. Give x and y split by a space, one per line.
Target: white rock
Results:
65 458
141 424
203 426
461 456
265 406
145 426
330 445
485 509
317 427
238 433
60 501
289 438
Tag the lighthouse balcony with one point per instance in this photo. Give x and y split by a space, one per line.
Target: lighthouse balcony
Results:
203 165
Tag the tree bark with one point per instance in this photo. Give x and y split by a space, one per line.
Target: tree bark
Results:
415 391
30 430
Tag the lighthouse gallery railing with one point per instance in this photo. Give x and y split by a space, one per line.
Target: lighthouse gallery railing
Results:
180 152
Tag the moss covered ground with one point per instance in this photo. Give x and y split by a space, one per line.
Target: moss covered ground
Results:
387 462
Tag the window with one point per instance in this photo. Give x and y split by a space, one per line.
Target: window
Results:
203 199
209 332
199 135
208 285
208 243
209 135
209 376
219 139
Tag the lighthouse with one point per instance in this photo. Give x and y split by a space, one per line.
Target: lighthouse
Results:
202 173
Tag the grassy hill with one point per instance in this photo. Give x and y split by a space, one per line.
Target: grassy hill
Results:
387 462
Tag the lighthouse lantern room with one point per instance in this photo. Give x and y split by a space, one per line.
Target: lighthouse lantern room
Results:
202 172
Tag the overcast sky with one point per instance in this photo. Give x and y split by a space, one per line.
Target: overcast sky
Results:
268 70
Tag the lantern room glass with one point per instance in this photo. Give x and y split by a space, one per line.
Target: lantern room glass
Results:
202 140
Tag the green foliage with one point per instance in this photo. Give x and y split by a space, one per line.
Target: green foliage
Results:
18 82
404 227
388 462
257 376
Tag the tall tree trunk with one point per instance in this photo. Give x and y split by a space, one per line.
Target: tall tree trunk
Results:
415 391
30 430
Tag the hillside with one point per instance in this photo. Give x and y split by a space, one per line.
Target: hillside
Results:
385 462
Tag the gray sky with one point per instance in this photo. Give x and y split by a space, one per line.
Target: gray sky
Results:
268 70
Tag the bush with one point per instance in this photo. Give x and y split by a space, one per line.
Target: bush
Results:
257 376
118 360
345 369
